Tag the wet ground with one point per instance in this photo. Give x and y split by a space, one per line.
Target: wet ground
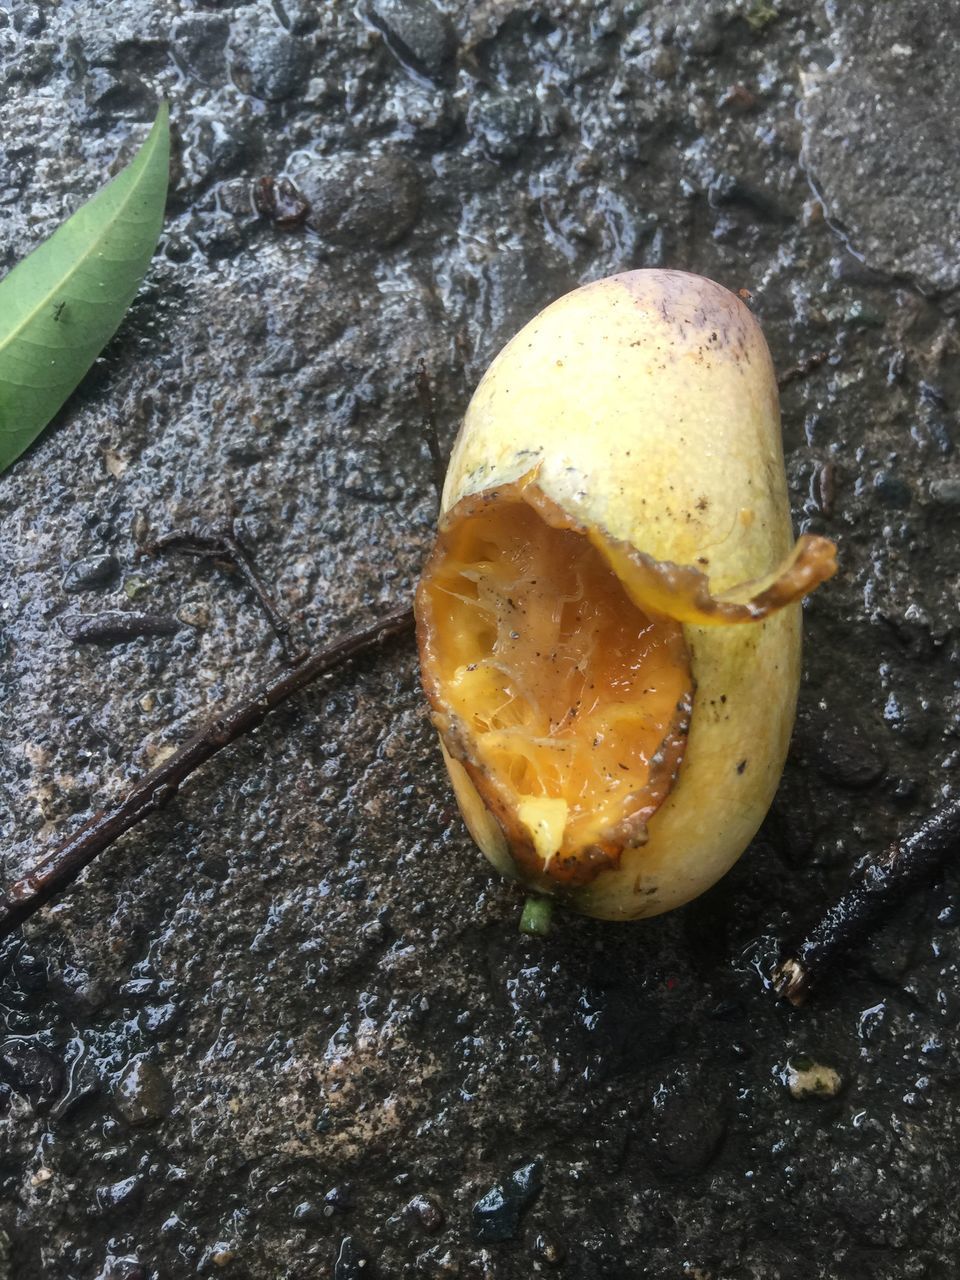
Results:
289 1028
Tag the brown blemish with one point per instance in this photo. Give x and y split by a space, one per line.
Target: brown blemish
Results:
698 309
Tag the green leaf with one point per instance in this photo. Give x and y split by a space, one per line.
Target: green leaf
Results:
60 306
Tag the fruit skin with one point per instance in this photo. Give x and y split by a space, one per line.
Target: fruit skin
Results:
646 405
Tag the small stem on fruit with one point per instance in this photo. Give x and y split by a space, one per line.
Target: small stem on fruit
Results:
536 917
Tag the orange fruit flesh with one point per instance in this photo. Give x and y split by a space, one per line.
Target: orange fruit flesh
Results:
567 704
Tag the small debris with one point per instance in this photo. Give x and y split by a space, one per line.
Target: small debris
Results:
197 615
134 586
549 1251
802 368
738 98
809 1080
114 627
114 463
827 488
278 200
351 1261
760 15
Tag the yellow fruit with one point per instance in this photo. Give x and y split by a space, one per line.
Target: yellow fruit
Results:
609 624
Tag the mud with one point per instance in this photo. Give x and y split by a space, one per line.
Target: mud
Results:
289 1028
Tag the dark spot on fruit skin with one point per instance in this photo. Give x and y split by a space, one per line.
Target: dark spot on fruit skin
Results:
696 307
741 766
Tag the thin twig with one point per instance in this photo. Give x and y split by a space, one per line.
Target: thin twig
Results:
429 426
226 541
883 886
56 870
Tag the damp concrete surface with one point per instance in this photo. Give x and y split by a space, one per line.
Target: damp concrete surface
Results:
288 1028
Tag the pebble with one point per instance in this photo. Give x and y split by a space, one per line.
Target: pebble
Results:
338 1200
425 113
142 1094
809 1080
109 92
31 21
265 61
418 35
846 756
90 573
426 1211
366 201
946 492
893 492
307 1211
687 1132
298 16
199 41
496 1215
32 1071
549 1251
233 197
502 124
118 1195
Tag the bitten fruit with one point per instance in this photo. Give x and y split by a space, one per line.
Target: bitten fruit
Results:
609 622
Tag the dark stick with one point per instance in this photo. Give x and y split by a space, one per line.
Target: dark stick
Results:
114 626
428 410
227 542
883 886
56 870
